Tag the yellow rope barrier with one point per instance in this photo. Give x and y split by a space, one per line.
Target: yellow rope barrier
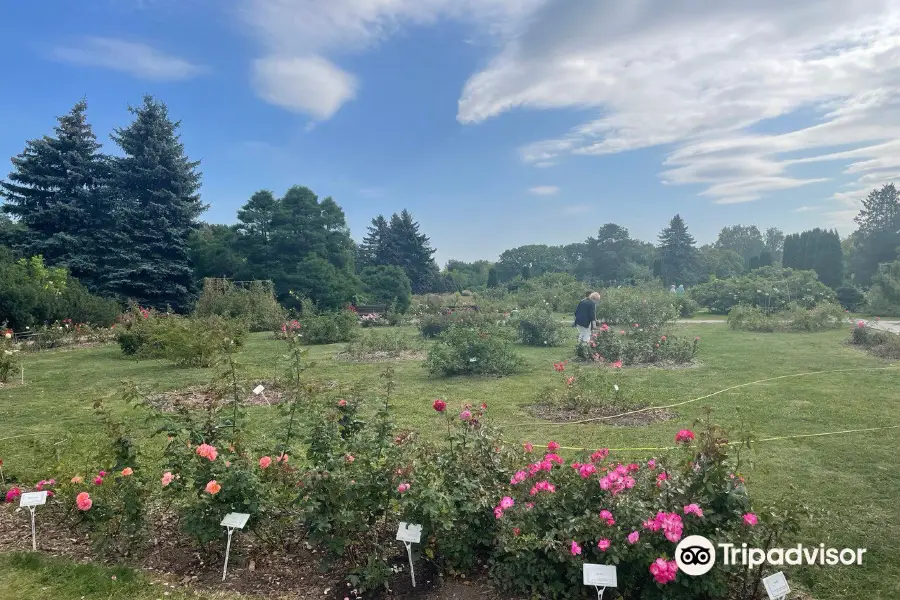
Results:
677 404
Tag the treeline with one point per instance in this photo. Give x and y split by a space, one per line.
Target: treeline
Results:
126 225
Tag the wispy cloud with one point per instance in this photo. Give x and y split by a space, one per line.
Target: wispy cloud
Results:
544 190
639 64
310 85
302 40
136 59
803 209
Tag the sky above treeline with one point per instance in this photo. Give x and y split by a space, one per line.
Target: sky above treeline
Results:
497 123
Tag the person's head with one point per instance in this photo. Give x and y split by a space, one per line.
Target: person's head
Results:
595 297
588 293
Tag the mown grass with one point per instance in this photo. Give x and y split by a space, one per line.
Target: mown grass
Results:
853 477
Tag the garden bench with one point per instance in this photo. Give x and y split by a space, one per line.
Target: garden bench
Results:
372 309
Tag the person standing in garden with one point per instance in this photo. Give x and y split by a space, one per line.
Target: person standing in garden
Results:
586 315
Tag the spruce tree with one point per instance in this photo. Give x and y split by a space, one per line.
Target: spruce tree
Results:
677 253
407 248
156 187
55 193
492 280
373 250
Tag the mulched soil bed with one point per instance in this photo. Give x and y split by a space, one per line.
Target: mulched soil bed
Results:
667 366
293 571
198 398
374 357
560 415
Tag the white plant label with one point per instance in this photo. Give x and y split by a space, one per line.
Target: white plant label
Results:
258 390
776 586
33 499
599 575
235 520
408 532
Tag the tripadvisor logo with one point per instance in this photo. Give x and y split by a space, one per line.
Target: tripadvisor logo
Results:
696 555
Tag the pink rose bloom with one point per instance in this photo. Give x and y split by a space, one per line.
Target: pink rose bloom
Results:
633 537
575 549
693 509
102 473
465 415
83 501
349 458
98 480
342 403
586 470
604 545
528 447
213 487
167 478
78 479
264 462
13 495
439 405
750 519
207 452
554 458
651 464
282 459
403 487
663 571
498 512
127 471
684 436
599 455
519 477
553 446
617 364
507 503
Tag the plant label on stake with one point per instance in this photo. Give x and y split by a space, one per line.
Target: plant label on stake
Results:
31 500
410 534
776 586
231 522
600 577
259 390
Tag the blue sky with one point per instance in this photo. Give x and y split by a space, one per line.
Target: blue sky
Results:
497 123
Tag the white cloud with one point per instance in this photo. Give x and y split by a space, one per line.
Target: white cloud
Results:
544 190
802 209
309 85
317 32
696 76
136 59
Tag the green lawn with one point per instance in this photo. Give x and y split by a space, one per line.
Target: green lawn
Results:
853 477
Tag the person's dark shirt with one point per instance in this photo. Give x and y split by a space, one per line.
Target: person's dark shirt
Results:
585 313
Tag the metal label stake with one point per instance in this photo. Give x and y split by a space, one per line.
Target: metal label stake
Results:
31 501
410 534
231 522
599 577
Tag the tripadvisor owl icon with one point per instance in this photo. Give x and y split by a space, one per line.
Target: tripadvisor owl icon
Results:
695 555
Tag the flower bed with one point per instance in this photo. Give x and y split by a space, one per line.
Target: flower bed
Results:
635 345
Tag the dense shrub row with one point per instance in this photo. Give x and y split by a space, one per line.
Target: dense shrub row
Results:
637 344
433 325
482 350
254 303
771 288
795 318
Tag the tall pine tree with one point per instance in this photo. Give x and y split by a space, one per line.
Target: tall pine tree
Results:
55 193
677 253
373 250
156 193
412 251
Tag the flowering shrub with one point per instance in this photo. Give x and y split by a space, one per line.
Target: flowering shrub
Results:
452 497
686 306
622 307
433 325
9 358
329 327
185 341
884 344
635 344
771 288
553 517
582 390
538 327
821 317
253 303
389 343
473 351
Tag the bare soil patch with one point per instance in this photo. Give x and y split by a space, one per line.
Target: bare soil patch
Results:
201 397
377 357
560 414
